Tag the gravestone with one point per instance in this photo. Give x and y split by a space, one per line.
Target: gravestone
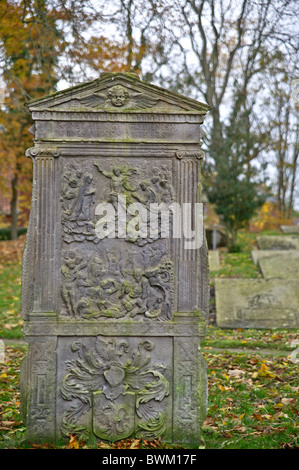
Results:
114 305
284 265
290 228
257 303
278 242
258 255
214 260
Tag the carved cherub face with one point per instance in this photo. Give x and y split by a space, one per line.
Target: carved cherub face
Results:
118 95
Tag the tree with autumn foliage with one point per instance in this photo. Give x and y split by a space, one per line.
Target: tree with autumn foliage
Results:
28 44
211 50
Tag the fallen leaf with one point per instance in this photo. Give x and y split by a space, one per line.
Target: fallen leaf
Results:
235 372
224 388
257 416
135 444
263 372
73 442
287 401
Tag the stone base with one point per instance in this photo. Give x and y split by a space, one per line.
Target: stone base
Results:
107 382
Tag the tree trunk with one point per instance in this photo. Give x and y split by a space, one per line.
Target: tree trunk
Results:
14 208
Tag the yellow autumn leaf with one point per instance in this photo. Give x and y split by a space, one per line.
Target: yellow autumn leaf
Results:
223 388
73 442
263 372
3 376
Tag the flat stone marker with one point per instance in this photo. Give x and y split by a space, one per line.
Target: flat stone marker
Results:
114 305
290 228
214 260
258 255
257 303
278 242
284 265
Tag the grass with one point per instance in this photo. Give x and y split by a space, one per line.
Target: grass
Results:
276 340
10 301
253 402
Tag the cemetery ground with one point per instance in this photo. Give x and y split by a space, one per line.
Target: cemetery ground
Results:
252 374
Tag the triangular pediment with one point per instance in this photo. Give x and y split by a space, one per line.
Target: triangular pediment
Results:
118 92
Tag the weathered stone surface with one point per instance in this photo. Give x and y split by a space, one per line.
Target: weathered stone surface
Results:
258 255
214 260
290 228
278 242
113 313
284 265
257 303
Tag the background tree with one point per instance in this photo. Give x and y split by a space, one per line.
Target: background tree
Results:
283 108
28 42
217 51
41 43
232 46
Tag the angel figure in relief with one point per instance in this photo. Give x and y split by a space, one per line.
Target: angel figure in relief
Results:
119 97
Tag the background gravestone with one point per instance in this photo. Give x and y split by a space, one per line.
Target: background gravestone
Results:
259 255
290 228
284 265
278 242
113 324
257 303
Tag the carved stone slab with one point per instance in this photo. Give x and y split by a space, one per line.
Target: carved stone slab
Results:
290 228
111 297
278 242
284 265
258 255
257 303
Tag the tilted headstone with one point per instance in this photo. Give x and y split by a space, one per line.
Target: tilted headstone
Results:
257 303
278 242
284 265
114 305
259 255
290 228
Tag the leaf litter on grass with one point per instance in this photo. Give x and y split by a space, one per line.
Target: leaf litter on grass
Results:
258 399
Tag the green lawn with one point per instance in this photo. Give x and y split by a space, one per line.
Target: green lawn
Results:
10 301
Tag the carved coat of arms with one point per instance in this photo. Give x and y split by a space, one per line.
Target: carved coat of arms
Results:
120 387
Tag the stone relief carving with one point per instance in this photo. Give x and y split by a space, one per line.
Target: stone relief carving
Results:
119 97
156 189
119 384
77 200
98 287
79 197
258 305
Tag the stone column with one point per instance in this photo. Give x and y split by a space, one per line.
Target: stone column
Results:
40 252
191 289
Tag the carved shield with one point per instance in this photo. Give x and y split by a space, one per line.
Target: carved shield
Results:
113 420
